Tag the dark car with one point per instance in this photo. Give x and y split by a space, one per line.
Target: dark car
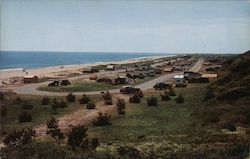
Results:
129 89
162 85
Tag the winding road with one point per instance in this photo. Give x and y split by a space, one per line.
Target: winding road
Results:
32 89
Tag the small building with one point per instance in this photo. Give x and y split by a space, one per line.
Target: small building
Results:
89 70
168 69
93 77
158 70
210 76
110 67
30 79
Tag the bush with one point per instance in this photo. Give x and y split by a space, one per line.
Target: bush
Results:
62 104
120 104
91 105
53 130
54 106
45 100
84 100
94 143
135 99
19 137
4 110
76 136
25 117
27 106
179 99
102 120
70 97
1 96
165 97
171 91
107 98
230 126
18 100
152 101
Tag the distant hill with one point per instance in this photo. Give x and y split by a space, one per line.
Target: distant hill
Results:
234 78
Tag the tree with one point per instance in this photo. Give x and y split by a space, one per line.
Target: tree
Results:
107 98
70 97
62 104
1 96
76 136
165 97
120 104
53 130
84 100
19 137
135 98
45 100
102 120
25 116
152 101
179 99
91 105
26 105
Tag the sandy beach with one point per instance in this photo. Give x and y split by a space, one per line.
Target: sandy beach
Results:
55 71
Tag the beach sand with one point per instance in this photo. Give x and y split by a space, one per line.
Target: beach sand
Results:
55 71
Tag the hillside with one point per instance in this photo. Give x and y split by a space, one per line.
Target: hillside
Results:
234 78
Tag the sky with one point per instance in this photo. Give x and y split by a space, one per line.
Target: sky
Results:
159 26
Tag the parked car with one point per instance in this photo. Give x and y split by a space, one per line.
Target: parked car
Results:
129 89
162 85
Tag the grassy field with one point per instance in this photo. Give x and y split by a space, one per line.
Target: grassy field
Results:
85 86
163 123
40 113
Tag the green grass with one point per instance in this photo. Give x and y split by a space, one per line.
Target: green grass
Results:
155 123
40 113
86 86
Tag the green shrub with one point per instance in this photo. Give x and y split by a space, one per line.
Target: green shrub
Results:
19 137
76 136
1 96
62 104
120 104
4 110
54 105
27 106
53 130
135 98
179 99
107 98
102 120
171 91
165 96
25 116
18 100
230 126
91 105
70 97
45 100
84 100
152 101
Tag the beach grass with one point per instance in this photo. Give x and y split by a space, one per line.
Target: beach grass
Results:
40 113
153 124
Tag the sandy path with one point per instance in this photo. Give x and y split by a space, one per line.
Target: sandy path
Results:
82 116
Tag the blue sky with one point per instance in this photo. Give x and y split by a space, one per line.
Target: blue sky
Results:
126 26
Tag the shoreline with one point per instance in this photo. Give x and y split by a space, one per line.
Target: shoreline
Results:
55 71
92 64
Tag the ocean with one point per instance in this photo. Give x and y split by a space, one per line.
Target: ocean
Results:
22 59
